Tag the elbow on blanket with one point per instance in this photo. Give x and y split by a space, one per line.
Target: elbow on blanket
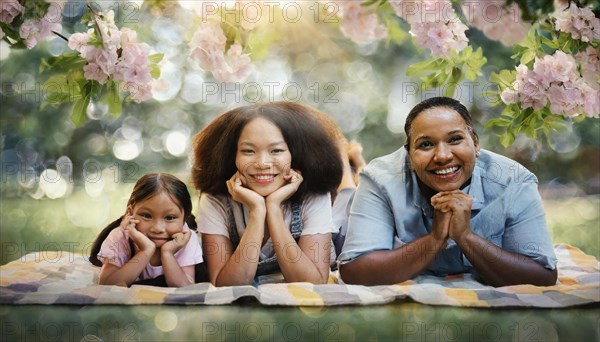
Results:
548 279
351 274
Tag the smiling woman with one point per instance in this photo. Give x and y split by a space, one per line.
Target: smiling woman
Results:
441 205
266 173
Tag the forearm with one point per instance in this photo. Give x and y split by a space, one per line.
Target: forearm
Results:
499 267
295 265
240 268
348 181
393 266
129 272
174 274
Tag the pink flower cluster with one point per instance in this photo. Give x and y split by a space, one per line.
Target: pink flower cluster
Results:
119 57
208 48
36 30
358 23
579 22
434 24
590 63
555 82
9 10
497 20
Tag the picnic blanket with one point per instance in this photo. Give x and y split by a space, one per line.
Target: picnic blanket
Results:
65 278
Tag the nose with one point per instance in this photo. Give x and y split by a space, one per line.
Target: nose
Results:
443 154
158 226
264 161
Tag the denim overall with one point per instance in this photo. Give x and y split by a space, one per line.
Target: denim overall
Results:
270 265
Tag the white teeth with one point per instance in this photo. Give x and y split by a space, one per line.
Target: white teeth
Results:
446 171
263 177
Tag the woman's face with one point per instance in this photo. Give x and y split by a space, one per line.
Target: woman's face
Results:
442 149
263 156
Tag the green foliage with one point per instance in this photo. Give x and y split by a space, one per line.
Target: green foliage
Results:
447 73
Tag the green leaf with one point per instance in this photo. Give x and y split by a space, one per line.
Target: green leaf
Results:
156 58
395 33
504 79
154 71
113 99
427 65
507 139
79 110
549 43
528 57
369 3
80 107
501 122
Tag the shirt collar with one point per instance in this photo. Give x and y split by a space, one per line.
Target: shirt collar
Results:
475 189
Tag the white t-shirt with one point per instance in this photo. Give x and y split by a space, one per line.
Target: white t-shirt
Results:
212 218
117 251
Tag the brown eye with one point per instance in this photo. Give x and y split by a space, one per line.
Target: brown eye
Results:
425 144
456 139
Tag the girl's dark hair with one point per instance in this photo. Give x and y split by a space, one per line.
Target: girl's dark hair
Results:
438 102
146 187
314 151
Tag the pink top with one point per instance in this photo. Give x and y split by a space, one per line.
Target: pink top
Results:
117 251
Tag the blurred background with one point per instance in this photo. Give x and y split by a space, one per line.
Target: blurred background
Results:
61 184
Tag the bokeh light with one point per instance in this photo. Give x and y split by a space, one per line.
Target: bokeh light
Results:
166 320
53 184
176 142
127 150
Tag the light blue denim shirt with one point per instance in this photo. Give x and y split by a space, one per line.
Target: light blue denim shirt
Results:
389 211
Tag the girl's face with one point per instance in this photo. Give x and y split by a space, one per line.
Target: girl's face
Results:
160 217
442 149
262 156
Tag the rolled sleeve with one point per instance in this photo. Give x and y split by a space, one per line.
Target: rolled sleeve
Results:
191 253
212 216
317 216
526 231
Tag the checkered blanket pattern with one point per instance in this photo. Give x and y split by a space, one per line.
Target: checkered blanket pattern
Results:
65 278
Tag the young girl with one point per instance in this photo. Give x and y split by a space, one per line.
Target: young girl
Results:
152 238
266 173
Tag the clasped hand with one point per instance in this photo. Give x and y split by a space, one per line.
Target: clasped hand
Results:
452 217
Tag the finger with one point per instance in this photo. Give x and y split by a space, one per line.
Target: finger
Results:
241 180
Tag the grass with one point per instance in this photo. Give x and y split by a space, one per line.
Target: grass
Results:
29 225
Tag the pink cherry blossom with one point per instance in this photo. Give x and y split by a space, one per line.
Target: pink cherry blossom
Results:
120 57
93 71
9 10
138 92
497 20
235 67
78 40
34 31
558 67
555 82
359 23
581 23
208 49
434 25
589 59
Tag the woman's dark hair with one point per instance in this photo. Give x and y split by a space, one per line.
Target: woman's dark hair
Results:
146 187
438 102
314 151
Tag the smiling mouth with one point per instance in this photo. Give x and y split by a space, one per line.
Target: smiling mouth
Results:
263 179
446 171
